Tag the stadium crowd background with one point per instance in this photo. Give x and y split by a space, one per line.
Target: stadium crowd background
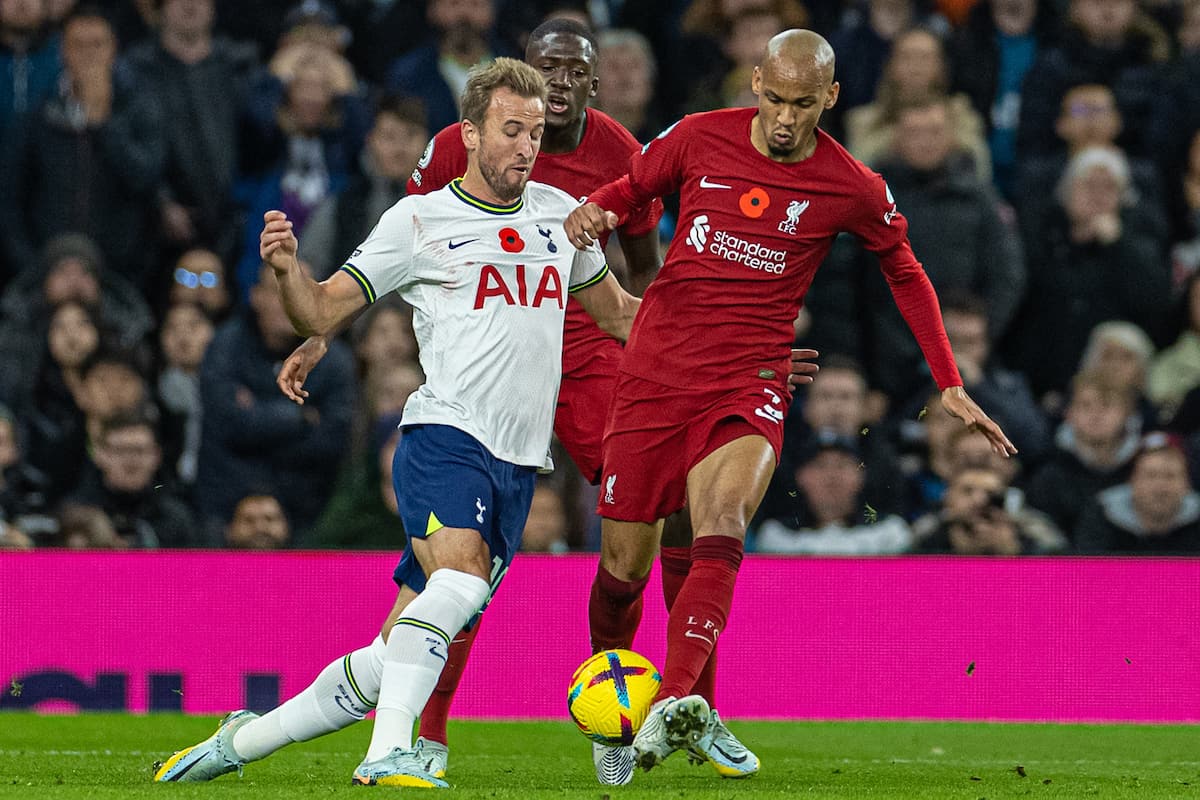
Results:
1045 153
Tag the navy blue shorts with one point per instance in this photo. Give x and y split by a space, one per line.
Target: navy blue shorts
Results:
444 478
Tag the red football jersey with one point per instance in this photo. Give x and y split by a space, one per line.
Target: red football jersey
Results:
602 156
750 237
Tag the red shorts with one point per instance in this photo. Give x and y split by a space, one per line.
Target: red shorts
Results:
656 434
583 401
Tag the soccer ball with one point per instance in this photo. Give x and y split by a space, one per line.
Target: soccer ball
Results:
610 694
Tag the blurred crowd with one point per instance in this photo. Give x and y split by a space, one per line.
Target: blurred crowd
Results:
1046 154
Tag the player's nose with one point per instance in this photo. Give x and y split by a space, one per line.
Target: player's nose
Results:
560 78
525 146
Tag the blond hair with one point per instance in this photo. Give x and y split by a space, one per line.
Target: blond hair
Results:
503 73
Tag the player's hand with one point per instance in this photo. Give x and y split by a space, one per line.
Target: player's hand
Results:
277 243
297 366
959 404
803 368
585 224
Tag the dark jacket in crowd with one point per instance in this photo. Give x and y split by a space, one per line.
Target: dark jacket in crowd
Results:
255 439
27 79
1130 71
55 428
151 518
1110 526
974 53
94 179
1074 287
1064 485
959 234
201 107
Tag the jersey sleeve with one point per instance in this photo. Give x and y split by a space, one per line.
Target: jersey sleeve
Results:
884 231
384 261
444 159
588 268
645 219
655 171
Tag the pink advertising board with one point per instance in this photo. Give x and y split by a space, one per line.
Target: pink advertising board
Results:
908 638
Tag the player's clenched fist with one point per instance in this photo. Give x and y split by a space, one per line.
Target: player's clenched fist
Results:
277 244
585 224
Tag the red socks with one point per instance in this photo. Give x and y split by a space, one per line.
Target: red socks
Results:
614 610
675 564
437 710
699 612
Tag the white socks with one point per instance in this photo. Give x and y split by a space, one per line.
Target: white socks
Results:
416 653
341 695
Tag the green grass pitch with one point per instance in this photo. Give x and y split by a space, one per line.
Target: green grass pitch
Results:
98 756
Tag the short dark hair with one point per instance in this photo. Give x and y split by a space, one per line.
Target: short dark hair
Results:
562 25
403 107
508 73
111 354
90 10
963 301
143 417
844 362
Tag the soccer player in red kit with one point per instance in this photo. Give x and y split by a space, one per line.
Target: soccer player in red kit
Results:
581 149
698 414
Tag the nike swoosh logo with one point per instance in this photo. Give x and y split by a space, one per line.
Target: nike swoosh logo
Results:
699 636
453 245
734 759
705 183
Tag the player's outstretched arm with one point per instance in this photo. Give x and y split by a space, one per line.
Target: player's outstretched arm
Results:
612 307
803 366
959 404
585 224
315 309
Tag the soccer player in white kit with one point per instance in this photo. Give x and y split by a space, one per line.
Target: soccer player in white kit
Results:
487 267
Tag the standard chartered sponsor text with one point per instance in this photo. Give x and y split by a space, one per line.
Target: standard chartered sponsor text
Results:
752 254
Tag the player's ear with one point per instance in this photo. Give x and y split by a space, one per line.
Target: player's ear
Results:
470 134
832 96
756 81
595 86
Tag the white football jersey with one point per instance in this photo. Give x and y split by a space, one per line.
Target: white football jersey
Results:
488 285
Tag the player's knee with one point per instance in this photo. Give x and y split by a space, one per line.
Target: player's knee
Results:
723 522
627 563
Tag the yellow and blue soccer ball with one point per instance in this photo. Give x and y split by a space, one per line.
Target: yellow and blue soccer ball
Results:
610 695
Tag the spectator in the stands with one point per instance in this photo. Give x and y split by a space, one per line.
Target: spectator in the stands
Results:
343 220
123 481
831 516
1157 512
90 160
991 54
627 73
1093 449
200 81
436 71
258 523
1107 42
962 232
975 520
917 69
1090 264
